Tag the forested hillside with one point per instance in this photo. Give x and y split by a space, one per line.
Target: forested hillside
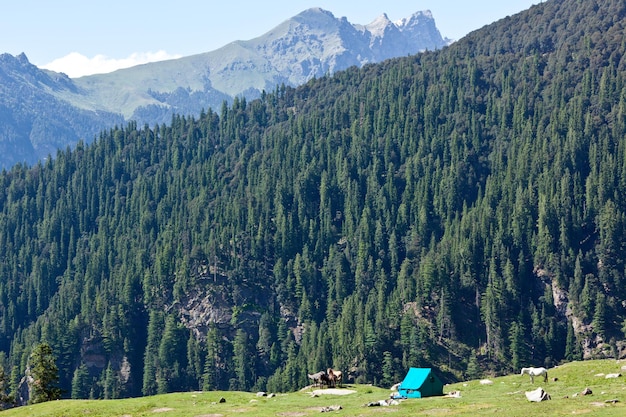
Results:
463 209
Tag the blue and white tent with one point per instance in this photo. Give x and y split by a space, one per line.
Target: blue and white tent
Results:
420 382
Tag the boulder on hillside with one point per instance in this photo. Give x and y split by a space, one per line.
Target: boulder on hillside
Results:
537 395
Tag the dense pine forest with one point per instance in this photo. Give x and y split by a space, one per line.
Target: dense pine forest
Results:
463 209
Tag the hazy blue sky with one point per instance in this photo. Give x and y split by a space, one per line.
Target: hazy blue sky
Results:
108 34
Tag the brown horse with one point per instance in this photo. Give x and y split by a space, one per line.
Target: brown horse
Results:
324 379
334 376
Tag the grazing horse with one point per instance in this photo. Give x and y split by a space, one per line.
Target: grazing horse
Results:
332 379
317 378
334 375
533 372
324 379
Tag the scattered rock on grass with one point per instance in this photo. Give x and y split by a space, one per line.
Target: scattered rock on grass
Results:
383 403
537 395
330 408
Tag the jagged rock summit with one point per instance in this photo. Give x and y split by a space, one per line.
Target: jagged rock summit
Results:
311 44
405 36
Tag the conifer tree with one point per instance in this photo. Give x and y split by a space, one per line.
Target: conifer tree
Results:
473 368
388 373
5 398
81 386
45 374
572 347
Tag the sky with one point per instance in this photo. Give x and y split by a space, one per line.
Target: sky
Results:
81 37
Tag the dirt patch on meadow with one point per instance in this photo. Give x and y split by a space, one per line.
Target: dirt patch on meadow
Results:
162 410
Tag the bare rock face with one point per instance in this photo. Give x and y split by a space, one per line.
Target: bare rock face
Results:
592 345
24 390
92 354
212 303
125 371
561 299
202 309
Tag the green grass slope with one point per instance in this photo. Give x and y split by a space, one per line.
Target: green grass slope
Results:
504 397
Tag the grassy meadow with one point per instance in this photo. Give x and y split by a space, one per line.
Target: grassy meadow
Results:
505 397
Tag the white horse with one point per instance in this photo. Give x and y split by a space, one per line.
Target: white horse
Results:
533 372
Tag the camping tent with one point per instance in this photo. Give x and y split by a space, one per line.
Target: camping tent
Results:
420 382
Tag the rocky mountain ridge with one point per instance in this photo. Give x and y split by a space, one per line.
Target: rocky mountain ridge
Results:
42 111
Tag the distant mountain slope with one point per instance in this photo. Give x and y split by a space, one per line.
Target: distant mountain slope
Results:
34 121
41 111
311 44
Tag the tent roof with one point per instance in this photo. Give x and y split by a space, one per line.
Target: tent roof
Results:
415 378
